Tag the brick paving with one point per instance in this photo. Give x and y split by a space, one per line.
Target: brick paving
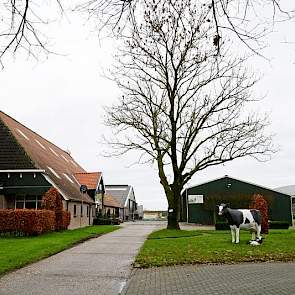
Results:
242 279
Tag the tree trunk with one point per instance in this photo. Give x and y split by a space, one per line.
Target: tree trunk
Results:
173 210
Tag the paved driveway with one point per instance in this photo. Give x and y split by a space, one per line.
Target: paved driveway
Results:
242 279
99 266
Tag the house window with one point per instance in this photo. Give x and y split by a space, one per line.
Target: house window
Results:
28 202
81 210
39 202
75 210
19 202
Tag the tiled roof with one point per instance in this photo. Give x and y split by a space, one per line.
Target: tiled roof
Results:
42 154
119 192
12 155
110 201
90 179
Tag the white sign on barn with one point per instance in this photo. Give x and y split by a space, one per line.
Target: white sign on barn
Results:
195 199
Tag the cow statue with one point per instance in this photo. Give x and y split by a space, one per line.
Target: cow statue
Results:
242 219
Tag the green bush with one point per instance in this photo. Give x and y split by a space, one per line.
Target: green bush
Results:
105 220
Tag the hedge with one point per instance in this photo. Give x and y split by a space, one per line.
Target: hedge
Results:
26 222
52 200
66 218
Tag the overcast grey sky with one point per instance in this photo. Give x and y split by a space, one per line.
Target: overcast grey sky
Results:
62 99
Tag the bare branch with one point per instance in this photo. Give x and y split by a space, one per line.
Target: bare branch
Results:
19 28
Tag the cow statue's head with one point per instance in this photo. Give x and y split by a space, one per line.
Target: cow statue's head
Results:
221 208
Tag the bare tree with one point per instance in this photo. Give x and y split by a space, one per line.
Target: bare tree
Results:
20 24
182 107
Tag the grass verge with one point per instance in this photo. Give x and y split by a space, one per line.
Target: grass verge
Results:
171 247
15 252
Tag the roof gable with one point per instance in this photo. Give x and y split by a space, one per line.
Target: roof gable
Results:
59 166
90 179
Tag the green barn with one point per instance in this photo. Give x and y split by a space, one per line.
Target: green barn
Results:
198 203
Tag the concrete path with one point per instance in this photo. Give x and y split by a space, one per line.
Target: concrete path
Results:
241 279
99 266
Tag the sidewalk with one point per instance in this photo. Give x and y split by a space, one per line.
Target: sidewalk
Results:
99 266
242 279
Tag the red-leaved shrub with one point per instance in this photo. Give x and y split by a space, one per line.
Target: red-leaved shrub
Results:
27 222
52 201
66 219
259 203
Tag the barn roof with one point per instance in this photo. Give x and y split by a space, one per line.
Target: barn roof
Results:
23 148
250 183
110 201
119 192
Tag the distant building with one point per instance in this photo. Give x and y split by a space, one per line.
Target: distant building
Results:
112 207
124 195
154 215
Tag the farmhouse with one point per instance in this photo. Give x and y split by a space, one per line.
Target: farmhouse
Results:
124 195
198 203
30 165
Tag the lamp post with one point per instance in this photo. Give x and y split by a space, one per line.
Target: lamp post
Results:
83 190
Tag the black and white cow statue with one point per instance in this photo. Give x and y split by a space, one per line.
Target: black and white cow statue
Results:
242 219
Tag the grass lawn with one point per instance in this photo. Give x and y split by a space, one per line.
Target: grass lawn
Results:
16 252
170 247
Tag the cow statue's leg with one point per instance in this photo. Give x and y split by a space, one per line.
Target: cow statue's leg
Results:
237 235
254 235
233 233
258 231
